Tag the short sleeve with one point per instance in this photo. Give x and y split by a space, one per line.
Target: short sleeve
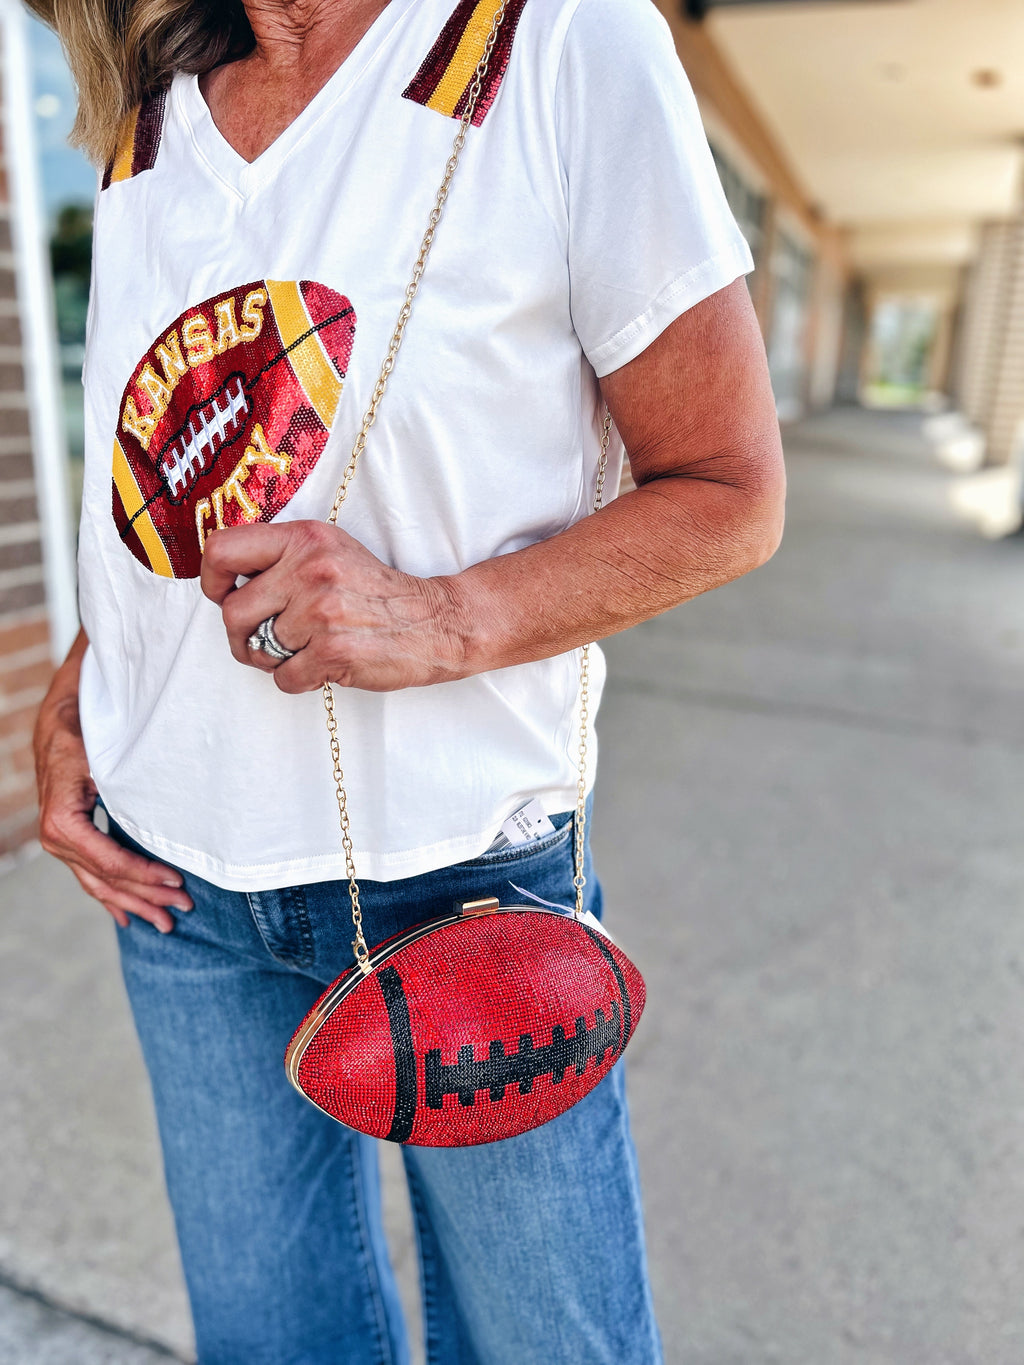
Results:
650 232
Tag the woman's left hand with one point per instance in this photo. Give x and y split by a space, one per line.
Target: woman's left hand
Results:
349 617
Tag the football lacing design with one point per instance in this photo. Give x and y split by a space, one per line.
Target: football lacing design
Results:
498 1070
194 449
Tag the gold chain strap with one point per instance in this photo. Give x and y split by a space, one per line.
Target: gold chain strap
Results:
359 948
579 881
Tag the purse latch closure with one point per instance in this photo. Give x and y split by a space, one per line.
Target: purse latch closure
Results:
485 906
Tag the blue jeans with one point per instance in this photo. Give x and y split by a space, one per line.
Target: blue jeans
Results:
531 1250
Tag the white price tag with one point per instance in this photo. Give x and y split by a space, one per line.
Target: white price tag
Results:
522 827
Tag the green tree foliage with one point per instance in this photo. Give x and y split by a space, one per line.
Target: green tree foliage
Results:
71 243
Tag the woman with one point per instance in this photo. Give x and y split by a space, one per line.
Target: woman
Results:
269 171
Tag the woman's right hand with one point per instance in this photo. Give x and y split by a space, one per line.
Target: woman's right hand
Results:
124 883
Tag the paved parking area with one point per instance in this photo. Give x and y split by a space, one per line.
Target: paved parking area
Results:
809 830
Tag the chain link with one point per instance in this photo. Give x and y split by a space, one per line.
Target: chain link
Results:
359 948
579 881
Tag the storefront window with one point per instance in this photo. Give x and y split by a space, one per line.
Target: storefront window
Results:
747 205
792 269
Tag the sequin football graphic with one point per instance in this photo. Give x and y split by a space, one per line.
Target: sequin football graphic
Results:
477 1031
225 416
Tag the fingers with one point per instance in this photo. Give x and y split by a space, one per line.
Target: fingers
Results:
123 881
305 673
254 552
258 659
109 860
343 612
243 611
294 679
236 550
122 901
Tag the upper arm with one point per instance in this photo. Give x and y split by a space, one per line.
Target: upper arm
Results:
656 261
650 233
697 402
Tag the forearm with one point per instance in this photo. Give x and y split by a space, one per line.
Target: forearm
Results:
125 883
58 713
662 544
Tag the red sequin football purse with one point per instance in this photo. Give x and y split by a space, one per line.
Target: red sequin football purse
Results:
494 1019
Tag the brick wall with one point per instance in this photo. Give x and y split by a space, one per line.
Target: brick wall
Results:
984 320
1006 410
25 662
990 371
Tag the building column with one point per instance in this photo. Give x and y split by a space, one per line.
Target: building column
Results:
1004 421
990 349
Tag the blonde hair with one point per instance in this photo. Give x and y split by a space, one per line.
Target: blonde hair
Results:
120 51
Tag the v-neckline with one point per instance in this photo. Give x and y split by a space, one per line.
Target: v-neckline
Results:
243 177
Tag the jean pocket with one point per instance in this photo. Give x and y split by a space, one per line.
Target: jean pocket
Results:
522 853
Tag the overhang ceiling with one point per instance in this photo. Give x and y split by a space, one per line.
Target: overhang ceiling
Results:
889 112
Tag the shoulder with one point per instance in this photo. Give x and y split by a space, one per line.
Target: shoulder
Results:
620 35
622 30
536 27
619 67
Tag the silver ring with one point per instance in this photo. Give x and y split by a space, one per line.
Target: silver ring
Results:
264 640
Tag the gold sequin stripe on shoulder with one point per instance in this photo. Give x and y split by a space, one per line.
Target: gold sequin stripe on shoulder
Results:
444 80
140 141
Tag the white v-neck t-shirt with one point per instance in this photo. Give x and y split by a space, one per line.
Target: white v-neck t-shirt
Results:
239 317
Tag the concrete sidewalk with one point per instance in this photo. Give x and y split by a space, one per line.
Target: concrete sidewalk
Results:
809 830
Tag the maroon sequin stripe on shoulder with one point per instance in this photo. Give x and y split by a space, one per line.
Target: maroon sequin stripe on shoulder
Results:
498 65
428 77
144 131
148 131
424 83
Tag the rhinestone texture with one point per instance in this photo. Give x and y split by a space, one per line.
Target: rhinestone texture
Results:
478 1030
